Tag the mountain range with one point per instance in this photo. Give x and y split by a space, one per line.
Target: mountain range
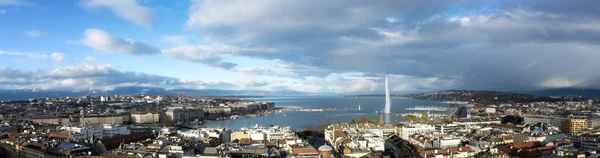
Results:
25 94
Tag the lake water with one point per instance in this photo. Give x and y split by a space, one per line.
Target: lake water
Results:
297 119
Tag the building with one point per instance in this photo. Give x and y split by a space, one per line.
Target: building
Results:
490 110
446 143
143 117
217 110
573 125
184 114
98 131
45 119
512 119
103 119
104 98
534 119
245 107
409 129
463 112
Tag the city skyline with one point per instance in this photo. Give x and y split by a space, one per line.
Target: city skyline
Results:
342 47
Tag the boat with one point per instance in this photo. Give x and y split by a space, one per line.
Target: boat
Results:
284 115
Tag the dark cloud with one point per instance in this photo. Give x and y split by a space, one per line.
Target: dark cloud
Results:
455 44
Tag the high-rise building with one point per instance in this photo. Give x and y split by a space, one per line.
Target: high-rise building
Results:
573 125
463 112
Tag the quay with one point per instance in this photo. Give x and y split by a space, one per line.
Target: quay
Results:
428 108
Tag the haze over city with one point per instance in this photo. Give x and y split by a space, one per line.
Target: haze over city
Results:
341 47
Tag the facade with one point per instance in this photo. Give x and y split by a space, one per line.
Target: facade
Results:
45 119
410 129
573 125
534 119
184 114
104 119
446 143
490 110
217 110
463 112
98 131
143 117
245 107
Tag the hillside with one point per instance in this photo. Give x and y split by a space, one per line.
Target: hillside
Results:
484 97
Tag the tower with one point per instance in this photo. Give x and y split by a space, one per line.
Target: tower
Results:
388 101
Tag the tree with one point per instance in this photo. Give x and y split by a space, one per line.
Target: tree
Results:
337 121
413 118
373 121
352 121
309 128
425 116
363 120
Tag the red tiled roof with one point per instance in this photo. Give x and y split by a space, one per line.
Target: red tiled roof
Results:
44 117
562 142
526 144
339 134
304 151
508 137
546 148
58 135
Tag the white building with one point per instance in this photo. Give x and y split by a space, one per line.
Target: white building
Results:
179 114
141 117
490 110
98 131
104 99
410 129
447 143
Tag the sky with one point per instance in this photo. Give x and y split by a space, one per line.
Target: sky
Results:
334 46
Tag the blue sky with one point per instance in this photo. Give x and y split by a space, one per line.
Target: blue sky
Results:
311 46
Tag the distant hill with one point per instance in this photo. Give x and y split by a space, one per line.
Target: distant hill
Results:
25 94
564 92
479 96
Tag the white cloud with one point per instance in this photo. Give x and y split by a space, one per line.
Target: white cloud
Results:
14 2
175 39
128 9
2 11
264 71
212 55
58 57
35 33
25 54
89 58
102 41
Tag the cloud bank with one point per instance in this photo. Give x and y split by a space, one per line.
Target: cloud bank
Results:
498 45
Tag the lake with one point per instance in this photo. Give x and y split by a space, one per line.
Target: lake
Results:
297 119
